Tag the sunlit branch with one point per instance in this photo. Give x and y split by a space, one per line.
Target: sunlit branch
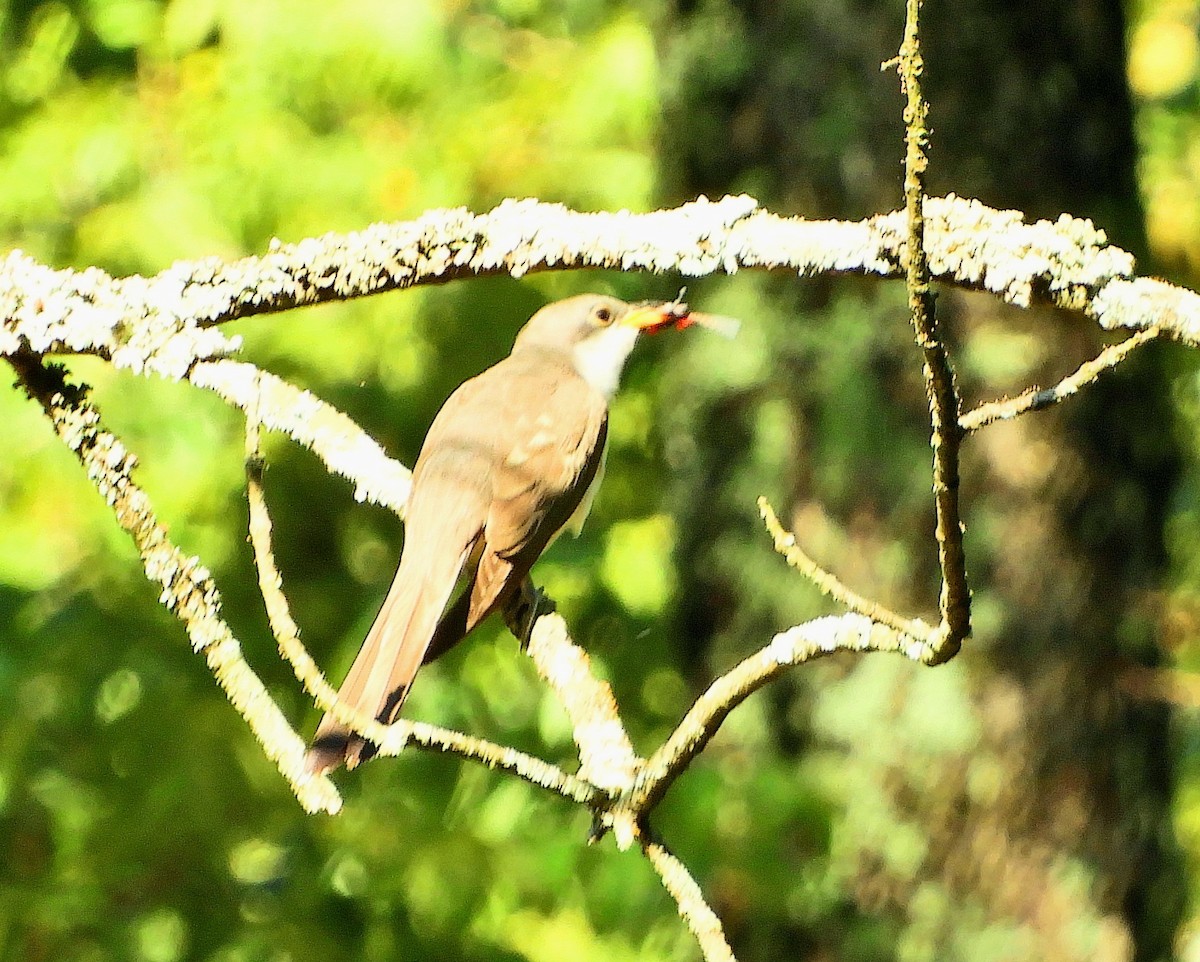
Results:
344 447
829 584
606 757
693 909
803 643
270 583
164 324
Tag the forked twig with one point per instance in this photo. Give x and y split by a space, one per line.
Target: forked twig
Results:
829 584
796 646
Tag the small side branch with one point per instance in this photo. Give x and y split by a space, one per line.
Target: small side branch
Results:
871 627
829 584
343 446
270 584
1038 399
796 646
606 756
188 591
955 599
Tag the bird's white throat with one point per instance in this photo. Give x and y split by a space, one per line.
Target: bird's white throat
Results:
600 358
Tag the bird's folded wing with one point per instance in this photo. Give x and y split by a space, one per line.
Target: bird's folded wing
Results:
550 459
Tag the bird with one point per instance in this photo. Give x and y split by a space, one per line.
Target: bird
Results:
512 459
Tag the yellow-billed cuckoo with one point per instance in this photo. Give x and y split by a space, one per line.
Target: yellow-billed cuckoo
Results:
512 459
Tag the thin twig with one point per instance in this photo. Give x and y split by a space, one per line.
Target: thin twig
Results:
796 646
693 909
187 588
270 583
955 598
829 584
390 739
1036 399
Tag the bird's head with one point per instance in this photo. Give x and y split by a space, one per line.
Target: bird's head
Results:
597 331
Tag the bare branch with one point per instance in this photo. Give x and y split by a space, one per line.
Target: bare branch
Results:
166 325
829 584
607 759
270 583
147 326
955 599
1143 302
803 643
187 588
525 766
1038 399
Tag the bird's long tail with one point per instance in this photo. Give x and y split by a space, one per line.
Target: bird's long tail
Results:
395 647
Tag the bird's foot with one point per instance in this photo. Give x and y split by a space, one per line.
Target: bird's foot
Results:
526 606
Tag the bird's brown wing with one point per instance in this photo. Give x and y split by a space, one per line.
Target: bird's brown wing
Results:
496 480
543 459
546 460
446 515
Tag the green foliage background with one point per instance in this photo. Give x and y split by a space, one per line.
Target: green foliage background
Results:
137 817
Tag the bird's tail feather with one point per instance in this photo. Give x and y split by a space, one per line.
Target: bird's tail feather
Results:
383 671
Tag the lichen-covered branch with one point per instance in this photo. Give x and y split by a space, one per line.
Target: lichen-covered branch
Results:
828 584
525 766
343 446
606 756
693 909
188 591
168 325
165 324
803 643
143 325
270 585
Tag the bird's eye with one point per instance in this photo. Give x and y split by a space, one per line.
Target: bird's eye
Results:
603 315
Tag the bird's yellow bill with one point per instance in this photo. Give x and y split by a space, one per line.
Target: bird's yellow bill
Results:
650 317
